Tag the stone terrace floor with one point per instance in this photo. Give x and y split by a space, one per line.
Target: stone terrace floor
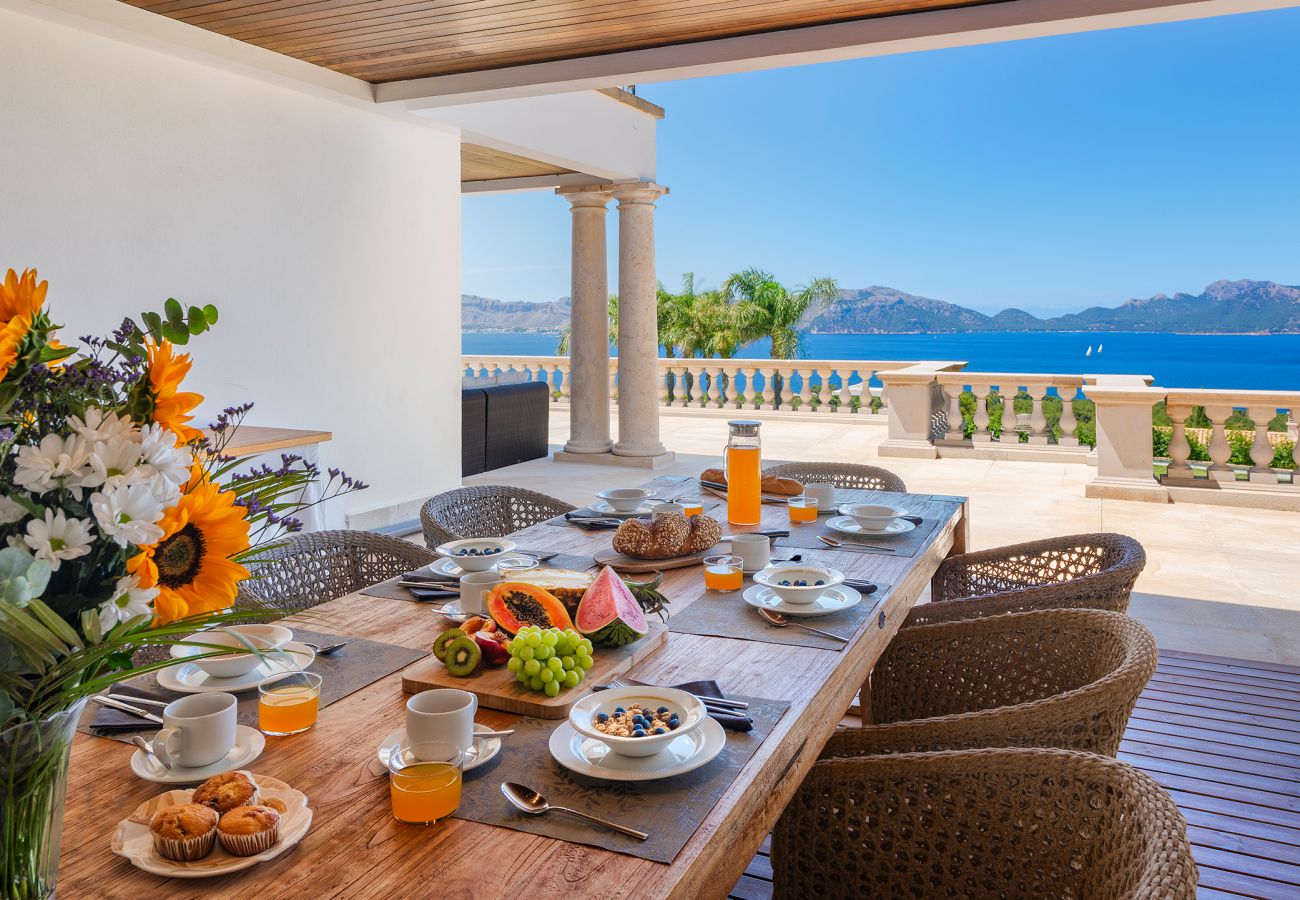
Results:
1218 580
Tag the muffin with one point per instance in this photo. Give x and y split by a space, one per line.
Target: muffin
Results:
247 830
227 791
184 833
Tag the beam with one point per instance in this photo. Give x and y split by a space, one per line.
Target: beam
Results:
532 183
905 33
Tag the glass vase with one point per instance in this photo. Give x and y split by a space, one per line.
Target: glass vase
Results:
35 757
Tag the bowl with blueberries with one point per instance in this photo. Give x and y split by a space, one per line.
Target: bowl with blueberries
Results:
637 721
476 554
799 583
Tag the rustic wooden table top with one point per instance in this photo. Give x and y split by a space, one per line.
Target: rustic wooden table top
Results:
356 849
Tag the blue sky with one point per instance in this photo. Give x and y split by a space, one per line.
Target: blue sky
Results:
1049 174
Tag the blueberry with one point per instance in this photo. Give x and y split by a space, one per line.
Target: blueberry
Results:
673 724
638 732
820 582
662 709
661 730
618 710
602 717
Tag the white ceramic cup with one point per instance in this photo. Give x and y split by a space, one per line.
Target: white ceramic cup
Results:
474 588
667 509
197 730
824 494
443 716
754 550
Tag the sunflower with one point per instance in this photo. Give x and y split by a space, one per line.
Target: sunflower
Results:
21 296
190 565
12 335
171 407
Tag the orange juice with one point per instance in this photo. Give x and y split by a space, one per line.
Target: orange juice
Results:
287 710
723 578
692 508
425 792
744 486
802 510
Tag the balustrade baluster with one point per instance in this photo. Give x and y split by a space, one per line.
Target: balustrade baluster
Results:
1037 418
1220 449
805 390
1009 433
1180 448
565 381
846 398
982 434
956 427
713 400
1261 451
769 389
1068 425
824 390
741 398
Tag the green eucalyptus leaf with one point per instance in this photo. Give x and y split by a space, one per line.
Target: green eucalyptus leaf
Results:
210 313
152 323
174 311
38 576
14 586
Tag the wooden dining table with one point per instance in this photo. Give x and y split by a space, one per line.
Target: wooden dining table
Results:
355 847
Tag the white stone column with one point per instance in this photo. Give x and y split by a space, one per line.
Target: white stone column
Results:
1125 463
638 325
589 323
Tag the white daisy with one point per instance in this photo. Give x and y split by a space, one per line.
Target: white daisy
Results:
113 462
100 426
56 538
129 513
128 601
159 451
55 461
11 510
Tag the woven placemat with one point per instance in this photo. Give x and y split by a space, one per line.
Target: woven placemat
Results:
668 809
727 615
391 590
342 672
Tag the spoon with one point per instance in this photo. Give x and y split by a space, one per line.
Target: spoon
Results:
780 621
148 751
528 800
842 545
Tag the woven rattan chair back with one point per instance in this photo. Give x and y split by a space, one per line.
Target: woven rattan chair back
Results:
490 510
982 823
842 475
1094 571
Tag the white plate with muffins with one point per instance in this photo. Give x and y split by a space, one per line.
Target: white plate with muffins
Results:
228 823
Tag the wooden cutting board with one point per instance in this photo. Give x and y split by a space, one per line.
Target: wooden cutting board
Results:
496 687
611 557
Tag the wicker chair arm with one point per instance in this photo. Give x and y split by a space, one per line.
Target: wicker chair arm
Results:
1018 823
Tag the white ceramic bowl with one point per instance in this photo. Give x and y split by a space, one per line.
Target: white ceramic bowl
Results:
799 583
872 517
476 554
233 665
625 500
690 711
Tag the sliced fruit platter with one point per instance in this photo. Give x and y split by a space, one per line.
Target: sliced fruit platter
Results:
540 643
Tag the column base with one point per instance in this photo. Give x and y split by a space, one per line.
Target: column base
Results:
1126 489
903 449
579 448
611 459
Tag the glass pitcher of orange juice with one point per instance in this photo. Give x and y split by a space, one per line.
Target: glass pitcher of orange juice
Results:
742 466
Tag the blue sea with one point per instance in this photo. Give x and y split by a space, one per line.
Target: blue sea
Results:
1235 361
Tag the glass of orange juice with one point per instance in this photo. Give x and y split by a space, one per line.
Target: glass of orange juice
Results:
692 507
723 573
803 509
424 781
288 703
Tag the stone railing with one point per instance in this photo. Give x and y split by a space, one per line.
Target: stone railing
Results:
1227 412
1043 393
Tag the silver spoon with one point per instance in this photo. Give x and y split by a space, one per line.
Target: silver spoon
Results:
780 621
148 751
528 800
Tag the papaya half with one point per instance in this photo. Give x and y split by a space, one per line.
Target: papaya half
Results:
514 604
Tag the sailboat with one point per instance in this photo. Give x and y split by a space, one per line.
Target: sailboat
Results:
1089 353
1099 348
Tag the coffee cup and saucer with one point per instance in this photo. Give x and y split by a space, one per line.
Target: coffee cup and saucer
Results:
442 717
200 738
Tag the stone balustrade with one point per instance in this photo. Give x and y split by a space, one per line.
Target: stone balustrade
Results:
1240 446
1050 420
554 370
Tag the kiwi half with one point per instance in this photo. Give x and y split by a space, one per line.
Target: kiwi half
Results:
463 655
441 641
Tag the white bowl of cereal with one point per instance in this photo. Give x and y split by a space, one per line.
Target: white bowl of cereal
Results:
637 721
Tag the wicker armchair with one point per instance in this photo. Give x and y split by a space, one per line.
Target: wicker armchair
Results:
492 510
842 475
1065 678
1095 571
319 566
1009 823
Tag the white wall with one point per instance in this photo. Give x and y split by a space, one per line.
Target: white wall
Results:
327 234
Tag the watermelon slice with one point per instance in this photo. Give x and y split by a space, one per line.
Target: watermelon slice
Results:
608 614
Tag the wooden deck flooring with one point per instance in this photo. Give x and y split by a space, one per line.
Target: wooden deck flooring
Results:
1223 737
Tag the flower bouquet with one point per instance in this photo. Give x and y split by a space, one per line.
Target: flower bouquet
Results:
123 527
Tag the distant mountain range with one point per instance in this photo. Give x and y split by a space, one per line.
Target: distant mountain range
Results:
1239 307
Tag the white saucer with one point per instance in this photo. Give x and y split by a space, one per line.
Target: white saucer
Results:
249 744
603 507
588 756
848 525
447 566
483 751
188 678
837 598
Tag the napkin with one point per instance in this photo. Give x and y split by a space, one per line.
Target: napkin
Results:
736 721
114 721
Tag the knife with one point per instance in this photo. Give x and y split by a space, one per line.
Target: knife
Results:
127 708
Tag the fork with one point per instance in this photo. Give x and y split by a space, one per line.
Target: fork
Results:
721 702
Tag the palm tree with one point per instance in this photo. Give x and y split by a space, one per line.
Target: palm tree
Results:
765 308
562 347
676 314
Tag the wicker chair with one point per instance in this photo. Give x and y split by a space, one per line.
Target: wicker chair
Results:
318 566
1009 823
842 475
1065 678
1095 571
492 510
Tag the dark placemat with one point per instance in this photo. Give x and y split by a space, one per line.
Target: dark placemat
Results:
344 671
728 615
709 502
391 590
805 537
668 809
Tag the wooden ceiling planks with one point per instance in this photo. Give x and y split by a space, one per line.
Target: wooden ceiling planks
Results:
393 40
478 163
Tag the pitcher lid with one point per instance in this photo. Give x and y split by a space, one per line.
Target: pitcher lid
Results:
744 427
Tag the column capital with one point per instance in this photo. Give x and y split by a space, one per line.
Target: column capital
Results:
585 195
633 192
